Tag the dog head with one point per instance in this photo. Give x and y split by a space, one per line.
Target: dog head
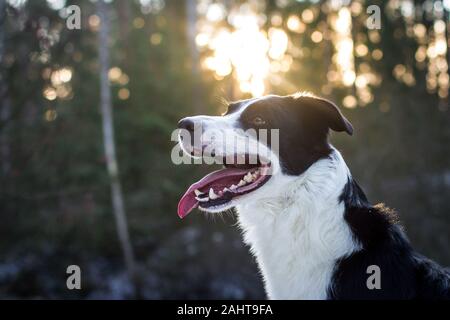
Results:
261 142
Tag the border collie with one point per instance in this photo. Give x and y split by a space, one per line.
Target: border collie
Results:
308 223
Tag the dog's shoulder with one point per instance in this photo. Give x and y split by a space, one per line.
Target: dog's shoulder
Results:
391 261
434 281
385 249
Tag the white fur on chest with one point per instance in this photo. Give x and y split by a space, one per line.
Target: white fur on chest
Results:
298 232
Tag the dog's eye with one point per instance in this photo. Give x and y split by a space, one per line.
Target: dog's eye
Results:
258 121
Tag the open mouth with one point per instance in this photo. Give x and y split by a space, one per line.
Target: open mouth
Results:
217 189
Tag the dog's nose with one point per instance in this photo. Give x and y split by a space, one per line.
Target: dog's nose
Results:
186 123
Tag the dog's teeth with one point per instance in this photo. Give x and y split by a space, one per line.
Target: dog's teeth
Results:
242 183
212 195
206 199
248 177
198 192
233 187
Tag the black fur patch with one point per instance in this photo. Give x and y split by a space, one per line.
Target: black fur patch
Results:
404 273
303 122
371 225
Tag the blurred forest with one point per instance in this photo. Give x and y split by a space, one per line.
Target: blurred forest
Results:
159 60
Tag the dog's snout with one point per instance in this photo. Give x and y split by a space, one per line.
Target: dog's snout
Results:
187 124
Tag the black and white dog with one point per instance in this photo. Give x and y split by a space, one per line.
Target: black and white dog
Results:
311 228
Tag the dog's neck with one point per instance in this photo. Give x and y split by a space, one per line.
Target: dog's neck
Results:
298 232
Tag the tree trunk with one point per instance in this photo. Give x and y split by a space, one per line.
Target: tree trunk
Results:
124 19
109 144
5 102
191 32
124 13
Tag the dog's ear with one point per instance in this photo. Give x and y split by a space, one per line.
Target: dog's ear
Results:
325 111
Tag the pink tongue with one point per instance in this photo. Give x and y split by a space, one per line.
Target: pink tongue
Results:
188 202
